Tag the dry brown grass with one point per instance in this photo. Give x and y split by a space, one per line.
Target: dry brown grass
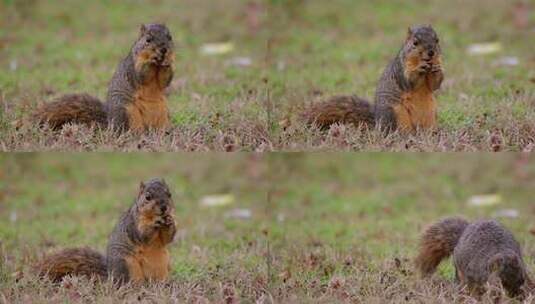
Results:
289 280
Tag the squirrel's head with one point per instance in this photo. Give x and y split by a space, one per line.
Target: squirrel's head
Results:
422 41
155 38
508 267
154 197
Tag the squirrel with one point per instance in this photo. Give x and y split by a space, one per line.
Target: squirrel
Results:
135 99
404 95
137 247
481 250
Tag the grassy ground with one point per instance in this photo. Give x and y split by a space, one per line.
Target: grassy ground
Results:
322 229
301 52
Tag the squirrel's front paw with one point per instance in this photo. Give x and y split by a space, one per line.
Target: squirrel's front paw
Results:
155 58
159 222
164 221
168 60
437 68
424 68
168 220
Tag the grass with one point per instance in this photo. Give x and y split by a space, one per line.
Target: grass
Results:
323 229
300 51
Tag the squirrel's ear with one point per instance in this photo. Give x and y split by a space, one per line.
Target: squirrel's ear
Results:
141 187
142 30
409 33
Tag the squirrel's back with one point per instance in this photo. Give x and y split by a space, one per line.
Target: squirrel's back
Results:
486 247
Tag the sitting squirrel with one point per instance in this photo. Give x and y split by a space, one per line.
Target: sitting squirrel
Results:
136 99
404 95
137 247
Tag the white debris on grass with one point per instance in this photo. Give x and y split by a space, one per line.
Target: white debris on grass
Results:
507 61
507 213
240 61
239 213
484 48
217 200
484 200
217 48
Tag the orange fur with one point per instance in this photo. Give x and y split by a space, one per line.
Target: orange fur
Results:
146 218
418 107
149 108
149 262
433 80
142 58
403 118
411 65
422 108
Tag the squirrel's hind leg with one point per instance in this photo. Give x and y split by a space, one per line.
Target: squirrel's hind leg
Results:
118 270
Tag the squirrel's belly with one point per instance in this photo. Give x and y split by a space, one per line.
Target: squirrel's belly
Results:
148 110
417 109
149 263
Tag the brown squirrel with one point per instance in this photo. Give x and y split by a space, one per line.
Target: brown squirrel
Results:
404 96
135 100
481 250
136 248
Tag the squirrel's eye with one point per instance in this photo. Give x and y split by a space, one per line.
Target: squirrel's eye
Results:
169 37
149 39
415 43
148 197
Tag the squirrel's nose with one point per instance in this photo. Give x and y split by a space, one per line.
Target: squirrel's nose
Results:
163 208
431 53
164 50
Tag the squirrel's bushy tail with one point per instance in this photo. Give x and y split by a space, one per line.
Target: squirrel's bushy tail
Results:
74 261
438 242
77 108
341 109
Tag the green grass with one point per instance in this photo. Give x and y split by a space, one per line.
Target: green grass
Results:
298 49
324 227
